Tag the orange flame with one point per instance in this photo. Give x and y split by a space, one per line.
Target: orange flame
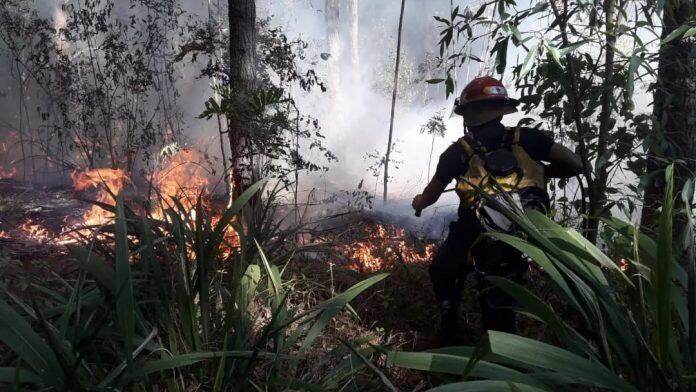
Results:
35 231
105 181
183 178
384 247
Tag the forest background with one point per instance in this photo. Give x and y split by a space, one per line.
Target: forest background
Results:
303 97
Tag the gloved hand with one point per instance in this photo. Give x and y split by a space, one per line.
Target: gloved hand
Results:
417 203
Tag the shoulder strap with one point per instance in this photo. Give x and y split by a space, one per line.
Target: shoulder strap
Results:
514 134
516 137
466 146
511 137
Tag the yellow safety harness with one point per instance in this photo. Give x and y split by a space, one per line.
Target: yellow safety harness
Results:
529 173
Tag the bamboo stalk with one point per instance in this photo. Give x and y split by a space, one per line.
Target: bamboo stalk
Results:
393 103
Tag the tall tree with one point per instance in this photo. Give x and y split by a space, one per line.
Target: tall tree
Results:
355 38
393 103
333 41
606 122
674 108
242 74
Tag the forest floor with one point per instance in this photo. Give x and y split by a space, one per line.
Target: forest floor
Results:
400 312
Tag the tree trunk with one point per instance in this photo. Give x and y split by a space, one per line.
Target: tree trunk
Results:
430 157
572 91
355 38
242 75
674 106
605 125
393 104
333 41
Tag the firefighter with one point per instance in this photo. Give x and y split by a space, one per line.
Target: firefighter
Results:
490 158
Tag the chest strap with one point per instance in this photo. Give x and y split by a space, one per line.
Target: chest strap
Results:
470 151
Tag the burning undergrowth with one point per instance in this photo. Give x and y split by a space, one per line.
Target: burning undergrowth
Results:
362 242
57 216
373 246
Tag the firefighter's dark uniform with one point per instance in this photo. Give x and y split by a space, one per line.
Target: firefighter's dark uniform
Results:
452 262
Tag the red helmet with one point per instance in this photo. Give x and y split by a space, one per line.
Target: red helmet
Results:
480 89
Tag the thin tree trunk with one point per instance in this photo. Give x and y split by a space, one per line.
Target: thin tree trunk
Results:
297 167
601 174
242 75
221 133
21 125
673 107
430 157
333 41
393 104
573 93
355 38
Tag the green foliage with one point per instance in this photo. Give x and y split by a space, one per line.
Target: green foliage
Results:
435 126
631 322
167 304
277 136
579 74
99 77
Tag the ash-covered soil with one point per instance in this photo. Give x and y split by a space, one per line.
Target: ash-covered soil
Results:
33 219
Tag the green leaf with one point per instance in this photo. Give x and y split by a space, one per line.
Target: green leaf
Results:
125 302
569 49
544 312
676 33
95 266
18 335
217 235
329 309
480 11
455 364
434 81
146 368
633 65
527 64
11 375
486 386
662 273
539 257
516 34
536 354
273 275
689 33
553 52
449 86
501 55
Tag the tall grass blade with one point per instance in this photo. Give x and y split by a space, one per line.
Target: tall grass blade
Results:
146 368
333 306
541 355
662 273
371 366
125 302
456 365
486 386
544 312
17 375
18 335
544 262
95 266
687 199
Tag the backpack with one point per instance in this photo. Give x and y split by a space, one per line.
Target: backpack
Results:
507 174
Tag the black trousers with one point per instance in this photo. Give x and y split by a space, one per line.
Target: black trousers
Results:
450 268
